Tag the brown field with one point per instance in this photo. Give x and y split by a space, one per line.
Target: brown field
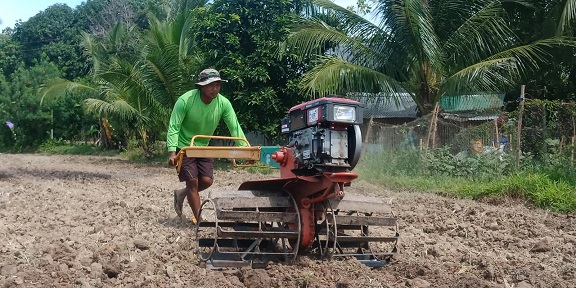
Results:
85 221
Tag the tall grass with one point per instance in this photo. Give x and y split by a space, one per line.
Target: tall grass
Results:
545 185
66 148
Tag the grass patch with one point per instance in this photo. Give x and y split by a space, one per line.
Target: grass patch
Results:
54 147
256 168
441 174
543 192
137 155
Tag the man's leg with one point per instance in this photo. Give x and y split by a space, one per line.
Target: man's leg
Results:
204 180
179 195
189 175
193 196
193 187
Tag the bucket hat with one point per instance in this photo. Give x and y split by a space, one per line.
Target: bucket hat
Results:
208 76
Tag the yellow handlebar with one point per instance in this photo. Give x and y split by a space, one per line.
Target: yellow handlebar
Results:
228 152
218 137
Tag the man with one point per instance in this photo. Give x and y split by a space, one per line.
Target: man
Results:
198 112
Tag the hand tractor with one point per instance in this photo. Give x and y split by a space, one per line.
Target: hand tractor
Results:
305 210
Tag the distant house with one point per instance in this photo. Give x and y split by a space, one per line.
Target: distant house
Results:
400 108
390 110
397 108
472 108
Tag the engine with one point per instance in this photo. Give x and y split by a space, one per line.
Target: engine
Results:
324 134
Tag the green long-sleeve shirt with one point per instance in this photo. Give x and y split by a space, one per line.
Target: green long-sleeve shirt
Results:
192 117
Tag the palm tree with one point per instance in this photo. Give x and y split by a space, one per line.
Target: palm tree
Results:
140 88
425 48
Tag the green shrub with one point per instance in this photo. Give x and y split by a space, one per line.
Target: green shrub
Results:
547 184
67 148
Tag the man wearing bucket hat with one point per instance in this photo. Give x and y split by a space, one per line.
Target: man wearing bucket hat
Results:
198 112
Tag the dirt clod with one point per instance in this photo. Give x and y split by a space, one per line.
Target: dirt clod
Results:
141 244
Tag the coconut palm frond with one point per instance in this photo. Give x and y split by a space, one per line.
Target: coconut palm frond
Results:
100 107
503 69
531 55
490 75
336 76
157 37
118 108
484 33
123 75
127 111
97 52
348 21
567 18
449 15
163 74
118 37
59 87
178 28
312 38
412 27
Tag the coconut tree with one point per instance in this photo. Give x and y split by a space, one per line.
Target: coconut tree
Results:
425 48
138 79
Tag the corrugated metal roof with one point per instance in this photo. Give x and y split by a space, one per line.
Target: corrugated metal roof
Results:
472 102
470 107
470 117
397 105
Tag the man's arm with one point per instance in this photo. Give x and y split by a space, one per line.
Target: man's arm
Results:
174 125
232 123
172 158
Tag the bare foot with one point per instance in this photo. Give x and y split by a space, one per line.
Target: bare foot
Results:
179 196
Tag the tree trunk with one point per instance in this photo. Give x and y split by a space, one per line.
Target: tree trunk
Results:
145 148
105 139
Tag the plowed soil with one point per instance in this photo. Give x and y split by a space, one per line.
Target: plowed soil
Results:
86 221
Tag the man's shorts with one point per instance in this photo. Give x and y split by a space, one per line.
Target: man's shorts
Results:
194 167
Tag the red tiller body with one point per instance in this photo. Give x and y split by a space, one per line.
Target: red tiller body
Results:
308 191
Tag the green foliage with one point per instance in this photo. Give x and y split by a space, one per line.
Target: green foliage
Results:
136 90
66 148
557 195
135 153
547 126
439 162
9 55
99 16
36 121
555 80
144 52
240 38
474 166
7 138
52 34
20 104
395 162
548 185
425 48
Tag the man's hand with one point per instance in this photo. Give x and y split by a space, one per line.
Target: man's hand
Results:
172 158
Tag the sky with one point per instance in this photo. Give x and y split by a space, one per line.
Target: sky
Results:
13 10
